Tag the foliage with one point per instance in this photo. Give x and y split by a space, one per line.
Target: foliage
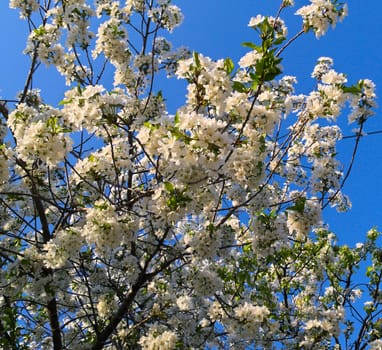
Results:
126 227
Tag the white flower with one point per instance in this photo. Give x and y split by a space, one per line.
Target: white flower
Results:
158 340
26 7
249 59
376 345
255 21
251 313
185 303
106 306
321 14
332 77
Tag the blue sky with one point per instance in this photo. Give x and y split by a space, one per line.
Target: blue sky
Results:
216 28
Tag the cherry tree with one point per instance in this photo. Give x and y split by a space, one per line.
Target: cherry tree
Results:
124 226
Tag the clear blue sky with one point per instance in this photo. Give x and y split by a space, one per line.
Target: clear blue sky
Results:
217 28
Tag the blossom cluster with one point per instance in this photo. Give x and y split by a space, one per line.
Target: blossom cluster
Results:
40 134
321 14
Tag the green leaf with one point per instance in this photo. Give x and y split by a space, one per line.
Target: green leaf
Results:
64 102
169 187
102 206
228 65
177 197
150 126
279 40
247 249
271 74
176 119
250 45
197 60
354 89
262 141
91 158
52 124
299 205
239 87
254 85
179 135
39 31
